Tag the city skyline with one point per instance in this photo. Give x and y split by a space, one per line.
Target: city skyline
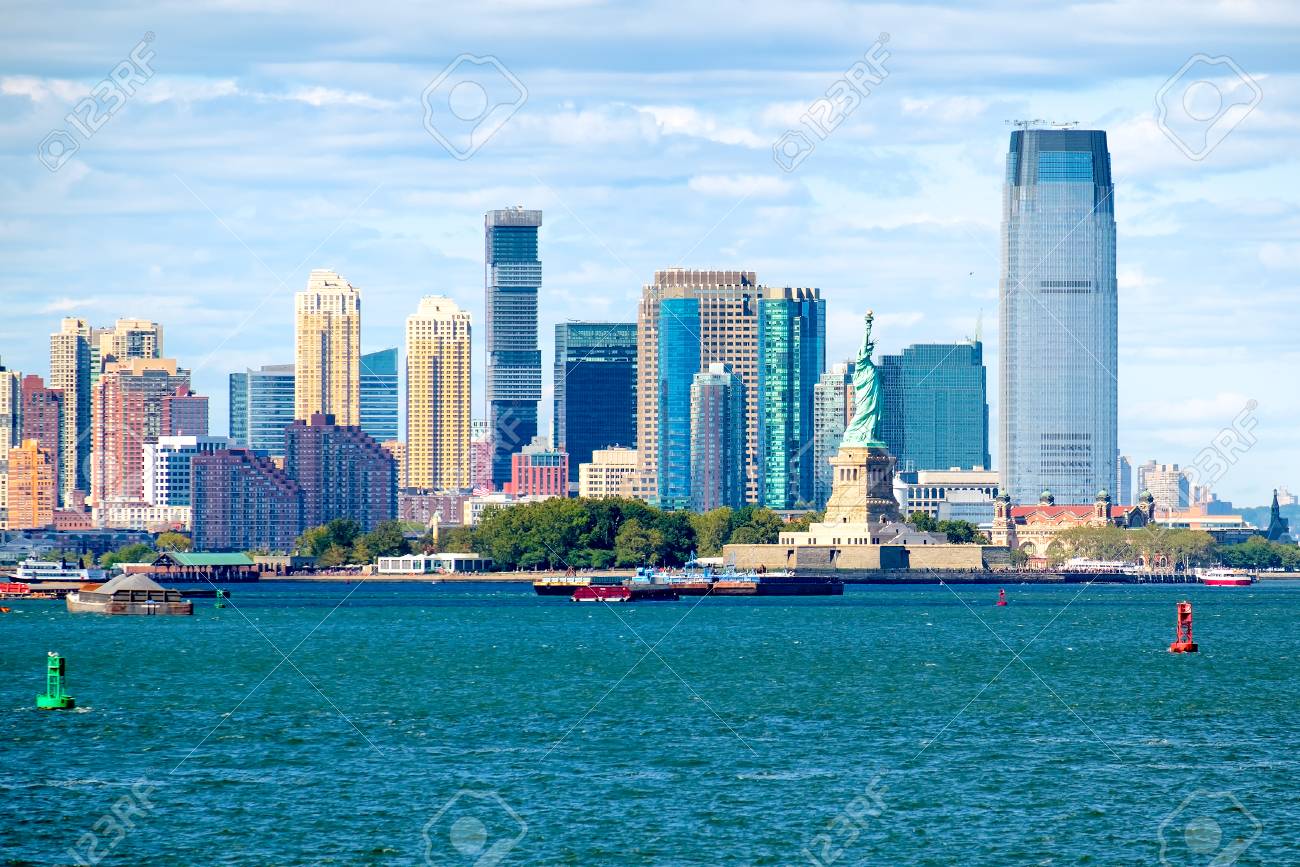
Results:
909 182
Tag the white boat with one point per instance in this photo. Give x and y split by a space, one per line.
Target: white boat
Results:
1221 577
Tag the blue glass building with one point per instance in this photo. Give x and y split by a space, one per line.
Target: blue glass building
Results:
935 407
679 361
1058 317
513 275
717 453
261 406
594 389
379 394
791 358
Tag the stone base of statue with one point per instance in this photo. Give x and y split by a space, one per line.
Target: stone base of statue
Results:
862 487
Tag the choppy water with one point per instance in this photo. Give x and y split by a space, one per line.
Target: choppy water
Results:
484 725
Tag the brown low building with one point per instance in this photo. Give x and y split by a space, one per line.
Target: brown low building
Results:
186 566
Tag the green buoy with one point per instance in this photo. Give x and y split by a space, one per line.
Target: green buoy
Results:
221 598
54 697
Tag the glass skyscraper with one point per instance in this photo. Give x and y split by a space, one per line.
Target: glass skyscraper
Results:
832 412
1058 317
595 389
936 413
717 452
379 394
791 358
261 407
679 361
513 276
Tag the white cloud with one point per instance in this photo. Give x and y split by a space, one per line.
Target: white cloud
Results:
686 120
741 186
40 89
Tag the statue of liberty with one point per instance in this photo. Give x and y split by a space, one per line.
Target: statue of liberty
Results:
864 429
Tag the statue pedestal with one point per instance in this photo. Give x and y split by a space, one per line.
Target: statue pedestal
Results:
862 489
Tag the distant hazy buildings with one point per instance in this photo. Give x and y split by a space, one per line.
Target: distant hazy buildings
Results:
513 279
379 394
1123 481
935 406
594 382
717 441
11 409
610 473
832 412
261 407
480 456
128 414
342 472
1168 484
327 349
243 502
1058 317
437 395
791 359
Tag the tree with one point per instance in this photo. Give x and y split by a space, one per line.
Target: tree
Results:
960 532
712 530
923 521
637 545
173 542
386 540
802 523
135 553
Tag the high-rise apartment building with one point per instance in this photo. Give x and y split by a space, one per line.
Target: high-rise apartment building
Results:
128 338
437 395
935 412
243 502
594 388
833 404
717 440
480 455
261 407
327 349
185 413
791 359
1168 484
513 278
30 492
167 466
70 373
42 414
128 414
11 409
1058 317
379 394
342 472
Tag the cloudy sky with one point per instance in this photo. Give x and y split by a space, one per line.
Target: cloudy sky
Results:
262 139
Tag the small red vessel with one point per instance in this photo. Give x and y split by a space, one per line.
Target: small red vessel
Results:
1183 642
625 593
1002 596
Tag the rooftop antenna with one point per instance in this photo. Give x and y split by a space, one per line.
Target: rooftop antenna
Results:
1036 122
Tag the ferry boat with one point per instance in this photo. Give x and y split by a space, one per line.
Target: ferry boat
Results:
36 571
1221 577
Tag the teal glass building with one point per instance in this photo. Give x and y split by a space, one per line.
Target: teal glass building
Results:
261 407
1058 317
679 361
935 413
791 359
379 394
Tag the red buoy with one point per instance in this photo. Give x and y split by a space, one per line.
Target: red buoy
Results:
1183 642
1002 596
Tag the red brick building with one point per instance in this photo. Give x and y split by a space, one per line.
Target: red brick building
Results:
126 413
342 471
243 502
539 471
41 409
185 413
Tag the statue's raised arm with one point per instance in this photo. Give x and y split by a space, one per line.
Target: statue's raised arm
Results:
864 430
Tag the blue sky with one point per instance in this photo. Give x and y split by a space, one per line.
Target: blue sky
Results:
274 137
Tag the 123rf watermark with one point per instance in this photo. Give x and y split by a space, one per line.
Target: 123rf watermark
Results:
1208 829
1204 101
90 114
842 831
473 827
469 101
111 828
825 115
1212 463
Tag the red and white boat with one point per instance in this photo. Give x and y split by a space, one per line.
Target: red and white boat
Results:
1220 577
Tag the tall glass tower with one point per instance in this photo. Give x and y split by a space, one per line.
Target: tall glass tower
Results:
261 407
791 358
595 389
379 394
513 276
1058 317
679 361
936 412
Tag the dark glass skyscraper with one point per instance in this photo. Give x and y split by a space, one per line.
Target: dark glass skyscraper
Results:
595 388
936 413
1058 317
379 394
791 358
514 362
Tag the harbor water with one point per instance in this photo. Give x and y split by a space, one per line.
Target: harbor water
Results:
480 724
